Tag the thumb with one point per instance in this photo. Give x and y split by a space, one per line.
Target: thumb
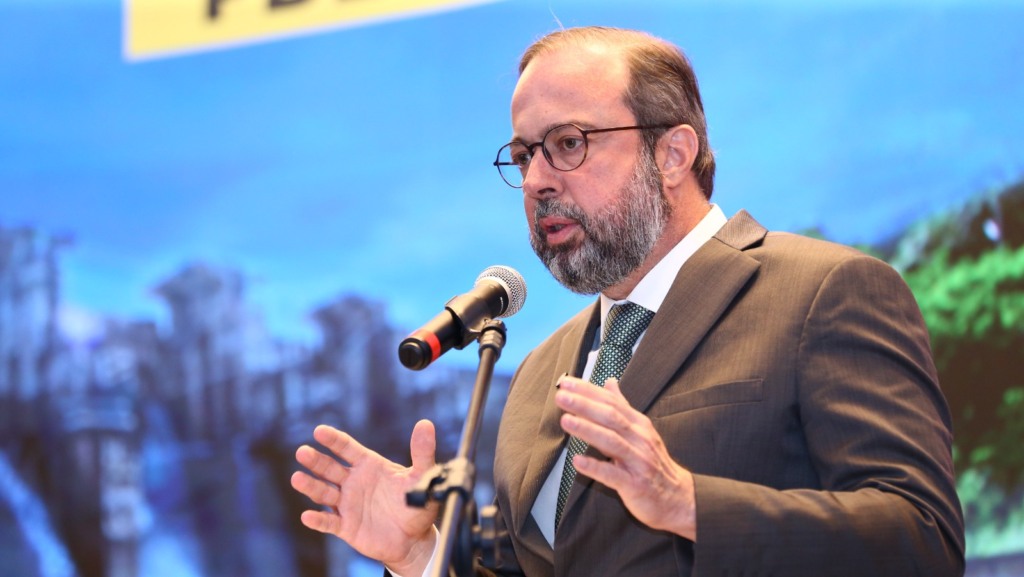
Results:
423 446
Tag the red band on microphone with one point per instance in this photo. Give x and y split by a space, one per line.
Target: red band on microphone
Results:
432 340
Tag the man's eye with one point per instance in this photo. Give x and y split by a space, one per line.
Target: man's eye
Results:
521 158
570 143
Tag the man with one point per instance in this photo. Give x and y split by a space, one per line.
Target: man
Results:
779 416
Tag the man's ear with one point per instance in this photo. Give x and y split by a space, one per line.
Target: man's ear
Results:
676 153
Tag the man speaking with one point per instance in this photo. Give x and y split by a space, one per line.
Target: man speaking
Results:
736 401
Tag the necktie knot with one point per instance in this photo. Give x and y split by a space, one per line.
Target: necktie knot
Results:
624 325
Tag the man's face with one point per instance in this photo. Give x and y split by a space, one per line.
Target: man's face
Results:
595 225
614 241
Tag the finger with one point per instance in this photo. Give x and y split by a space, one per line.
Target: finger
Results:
341 444
318 491
321 465
595 408
601 471
604 394
611 393
633 417
423 446
612 386
322 521
609 442
570 381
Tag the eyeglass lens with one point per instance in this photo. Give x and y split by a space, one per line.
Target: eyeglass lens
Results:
564 146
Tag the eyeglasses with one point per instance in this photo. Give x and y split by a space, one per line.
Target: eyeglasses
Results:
564 147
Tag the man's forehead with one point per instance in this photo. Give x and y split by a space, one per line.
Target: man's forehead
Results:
595 62
568 85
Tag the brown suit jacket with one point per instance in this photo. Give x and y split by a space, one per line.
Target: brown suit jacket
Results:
793 377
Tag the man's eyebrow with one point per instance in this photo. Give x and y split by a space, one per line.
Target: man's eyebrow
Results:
582 124
519 138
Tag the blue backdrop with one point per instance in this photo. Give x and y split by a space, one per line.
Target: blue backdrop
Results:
353 166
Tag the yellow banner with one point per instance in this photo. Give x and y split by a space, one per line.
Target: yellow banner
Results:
154 28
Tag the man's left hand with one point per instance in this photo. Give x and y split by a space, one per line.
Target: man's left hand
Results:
657 491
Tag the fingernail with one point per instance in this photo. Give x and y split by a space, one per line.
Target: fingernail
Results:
558 381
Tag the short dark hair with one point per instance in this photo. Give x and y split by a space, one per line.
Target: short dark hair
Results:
662 86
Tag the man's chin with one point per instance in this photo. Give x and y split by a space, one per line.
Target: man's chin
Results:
568 274
563 248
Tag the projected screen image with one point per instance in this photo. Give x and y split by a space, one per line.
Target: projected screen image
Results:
212 242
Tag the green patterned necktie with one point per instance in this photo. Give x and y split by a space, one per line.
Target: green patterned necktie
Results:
624 325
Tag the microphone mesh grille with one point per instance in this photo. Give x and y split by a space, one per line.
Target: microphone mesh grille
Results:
514 285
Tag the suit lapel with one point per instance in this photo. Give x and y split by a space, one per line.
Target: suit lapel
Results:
708 283
546 446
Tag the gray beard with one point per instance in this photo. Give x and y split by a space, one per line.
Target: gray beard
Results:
615 242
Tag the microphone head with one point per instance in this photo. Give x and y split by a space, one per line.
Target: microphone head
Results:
512 281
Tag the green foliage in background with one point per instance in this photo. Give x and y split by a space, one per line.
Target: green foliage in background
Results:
974 310
966 269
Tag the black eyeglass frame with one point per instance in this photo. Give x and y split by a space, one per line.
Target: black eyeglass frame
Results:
585 132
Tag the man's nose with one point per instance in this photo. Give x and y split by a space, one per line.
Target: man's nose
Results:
541 179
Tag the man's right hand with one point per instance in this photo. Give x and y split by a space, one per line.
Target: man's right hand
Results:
366 499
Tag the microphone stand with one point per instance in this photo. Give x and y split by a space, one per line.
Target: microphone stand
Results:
462 538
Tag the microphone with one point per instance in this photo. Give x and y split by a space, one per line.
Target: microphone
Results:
499 292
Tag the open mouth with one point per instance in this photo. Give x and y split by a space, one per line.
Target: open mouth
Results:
556 230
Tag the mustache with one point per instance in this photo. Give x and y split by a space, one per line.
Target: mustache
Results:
551 207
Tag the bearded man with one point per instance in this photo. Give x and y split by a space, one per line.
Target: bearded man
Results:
736 402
